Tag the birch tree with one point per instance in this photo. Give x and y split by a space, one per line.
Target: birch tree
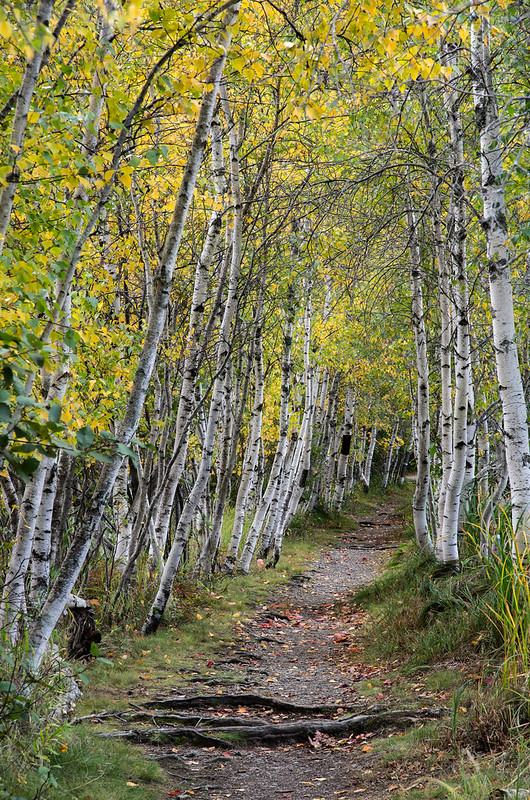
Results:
495 229
42 628
154 616
423 422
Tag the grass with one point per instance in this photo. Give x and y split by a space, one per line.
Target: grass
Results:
464 639
85 768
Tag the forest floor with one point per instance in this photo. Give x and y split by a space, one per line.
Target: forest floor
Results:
259 724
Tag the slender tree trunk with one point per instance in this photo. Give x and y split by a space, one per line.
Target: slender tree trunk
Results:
342 465
190 371
423 422
42 629
462 356
14 597
250 463
223 353
327 434
496 231
42 542
366 470
388 462
277 465
296 481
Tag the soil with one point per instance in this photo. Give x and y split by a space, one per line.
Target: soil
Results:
304 646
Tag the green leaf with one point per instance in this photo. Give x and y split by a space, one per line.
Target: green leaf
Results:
23 400
126 451
152 156
71 338
29 466
105 661
37 358
5 412
8 375
85 437
54 412
103 457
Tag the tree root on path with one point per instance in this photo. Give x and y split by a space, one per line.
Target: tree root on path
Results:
246 699
292 731
206 720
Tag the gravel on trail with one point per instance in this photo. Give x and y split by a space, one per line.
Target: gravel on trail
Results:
303 646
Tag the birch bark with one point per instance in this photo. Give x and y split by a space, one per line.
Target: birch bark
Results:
190 370
423 423
223 353
445 301
496 231
388 462
295 481
342 464
447 547
277 465
250 464
42 629
366 470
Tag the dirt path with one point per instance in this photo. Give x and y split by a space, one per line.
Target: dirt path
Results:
304 647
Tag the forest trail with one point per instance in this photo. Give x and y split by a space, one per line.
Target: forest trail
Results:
303 649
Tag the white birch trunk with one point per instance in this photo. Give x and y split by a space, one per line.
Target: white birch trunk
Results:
423 423
325 438
243 564
447 545
42 542
366 469
223 353
342 464
331 461
445 299
42 629
250 464
14 596
388 462
122 515
296 481
190 370
496 231
20 120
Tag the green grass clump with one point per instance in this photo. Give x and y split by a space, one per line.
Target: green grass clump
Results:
425 615
84 767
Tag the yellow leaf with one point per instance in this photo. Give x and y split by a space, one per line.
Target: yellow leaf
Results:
5 29
130 783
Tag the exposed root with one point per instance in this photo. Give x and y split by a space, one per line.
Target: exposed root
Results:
281 732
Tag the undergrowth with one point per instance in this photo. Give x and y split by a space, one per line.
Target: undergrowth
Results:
473 626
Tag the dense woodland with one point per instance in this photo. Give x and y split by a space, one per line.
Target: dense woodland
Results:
249 250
